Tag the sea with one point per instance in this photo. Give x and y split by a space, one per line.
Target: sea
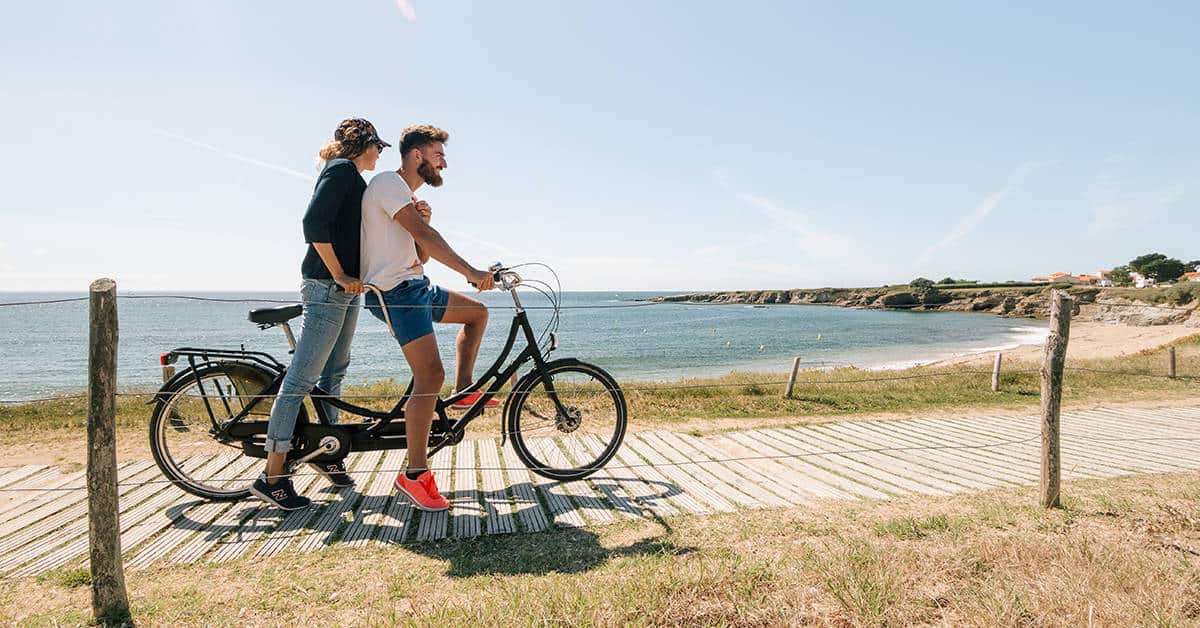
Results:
43 348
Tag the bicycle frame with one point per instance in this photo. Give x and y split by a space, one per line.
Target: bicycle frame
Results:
376 435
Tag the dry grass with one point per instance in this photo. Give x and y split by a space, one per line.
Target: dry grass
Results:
52 431
1121 552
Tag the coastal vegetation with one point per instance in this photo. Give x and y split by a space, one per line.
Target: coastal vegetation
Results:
994 558
733 401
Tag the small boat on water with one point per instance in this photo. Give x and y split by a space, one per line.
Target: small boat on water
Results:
758 306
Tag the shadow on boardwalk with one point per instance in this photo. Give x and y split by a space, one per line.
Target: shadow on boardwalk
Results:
475 537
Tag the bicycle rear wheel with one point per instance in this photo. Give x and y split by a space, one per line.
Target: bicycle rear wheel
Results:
181 437
568 445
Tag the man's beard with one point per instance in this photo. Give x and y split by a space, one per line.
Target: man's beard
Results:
429 174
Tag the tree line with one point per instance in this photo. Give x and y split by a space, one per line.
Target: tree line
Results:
1154 266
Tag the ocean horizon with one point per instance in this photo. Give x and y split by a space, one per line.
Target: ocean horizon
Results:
44 347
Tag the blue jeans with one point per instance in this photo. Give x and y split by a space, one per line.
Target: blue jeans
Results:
322 356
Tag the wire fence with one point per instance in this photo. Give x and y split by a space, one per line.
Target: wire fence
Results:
808 380
1182 307
665 387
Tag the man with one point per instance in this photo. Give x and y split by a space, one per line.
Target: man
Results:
397 240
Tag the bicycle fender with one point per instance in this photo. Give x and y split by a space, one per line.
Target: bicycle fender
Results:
164 392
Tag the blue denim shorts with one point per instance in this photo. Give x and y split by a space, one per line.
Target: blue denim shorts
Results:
413 305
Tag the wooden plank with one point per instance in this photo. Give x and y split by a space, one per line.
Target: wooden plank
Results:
1008 458
1076 463
372 510
397 520
898 467
622 502
323 530
12 475
432 526
789 493
228 522
721 481
998 429
264 521
1155 455
169 510
187 522
530 514
466 509
74 500
964 458
301 525
816 462
935 463
55 488
136 505
1171 444
787 473
501 515
652 490
559 509
589 504
45 536
681 479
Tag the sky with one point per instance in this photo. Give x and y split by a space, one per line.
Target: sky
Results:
646 145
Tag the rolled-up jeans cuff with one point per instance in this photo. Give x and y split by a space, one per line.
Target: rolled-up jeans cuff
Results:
278 446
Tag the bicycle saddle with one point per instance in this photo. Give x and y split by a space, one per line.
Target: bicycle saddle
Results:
275 315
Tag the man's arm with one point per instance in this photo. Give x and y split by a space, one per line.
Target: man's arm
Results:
435 245
426 214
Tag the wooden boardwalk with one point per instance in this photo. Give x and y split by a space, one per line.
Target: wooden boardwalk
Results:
656 474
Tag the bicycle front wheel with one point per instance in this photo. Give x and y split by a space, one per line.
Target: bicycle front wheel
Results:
181 437
569 440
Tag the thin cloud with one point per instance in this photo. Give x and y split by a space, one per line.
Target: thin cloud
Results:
488 244
814 243
236 156
1114 206
968 223
406 10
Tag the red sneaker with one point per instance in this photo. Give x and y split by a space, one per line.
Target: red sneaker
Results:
469 400
422 492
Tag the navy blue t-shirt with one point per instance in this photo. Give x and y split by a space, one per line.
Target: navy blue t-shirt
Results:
334 215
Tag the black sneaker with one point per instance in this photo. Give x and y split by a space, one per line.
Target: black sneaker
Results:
280 494
334 472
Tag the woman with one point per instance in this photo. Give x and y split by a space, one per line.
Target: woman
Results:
330 291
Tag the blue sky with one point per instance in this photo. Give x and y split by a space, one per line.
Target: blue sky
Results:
631 145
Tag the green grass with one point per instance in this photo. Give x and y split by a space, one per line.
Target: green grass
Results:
1179 294
839 392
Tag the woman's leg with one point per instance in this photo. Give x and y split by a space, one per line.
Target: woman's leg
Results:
473 316
319 333
339 357
428 376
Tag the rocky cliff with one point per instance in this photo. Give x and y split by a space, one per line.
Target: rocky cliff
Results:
1090 303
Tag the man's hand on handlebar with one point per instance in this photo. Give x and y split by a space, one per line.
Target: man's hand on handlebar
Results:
351 285
481 279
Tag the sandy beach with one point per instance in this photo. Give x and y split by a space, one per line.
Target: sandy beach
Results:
1089 340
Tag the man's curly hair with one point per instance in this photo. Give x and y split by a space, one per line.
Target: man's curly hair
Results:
420 136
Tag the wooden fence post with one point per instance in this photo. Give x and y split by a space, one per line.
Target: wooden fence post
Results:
996 373
791 385
1052 379
110 602
1171 362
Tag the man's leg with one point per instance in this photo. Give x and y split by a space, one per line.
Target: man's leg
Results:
473 316
428 376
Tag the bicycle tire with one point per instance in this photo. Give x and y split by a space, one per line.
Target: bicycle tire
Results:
169 416
545 456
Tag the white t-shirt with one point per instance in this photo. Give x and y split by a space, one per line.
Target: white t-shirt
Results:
388 251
